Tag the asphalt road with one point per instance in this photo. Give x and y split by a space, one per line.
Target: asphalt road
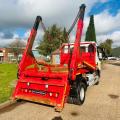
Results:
102 103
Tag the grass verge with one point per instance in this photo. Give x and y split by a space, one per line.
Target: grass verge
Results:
7 78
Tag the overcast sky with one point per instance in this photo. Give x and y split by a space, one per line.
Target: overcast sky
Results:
17 17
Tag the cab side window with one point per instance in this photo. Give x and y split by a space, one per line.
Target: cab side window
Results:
91 48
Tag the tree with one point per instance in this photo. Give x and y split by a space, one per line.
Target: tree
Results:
90 34
16 48
107 46
52 40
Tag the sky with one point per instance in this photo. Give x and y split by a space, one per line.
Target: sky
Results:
17 18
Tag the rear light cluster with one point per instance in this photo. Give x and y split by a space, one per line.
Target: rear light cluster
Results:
26 90
51 94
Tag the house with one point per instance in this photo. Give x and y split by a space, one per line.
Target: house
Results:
6 54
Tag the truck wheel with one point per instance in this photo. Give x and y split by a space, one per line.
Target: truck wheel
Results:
98 74
81 89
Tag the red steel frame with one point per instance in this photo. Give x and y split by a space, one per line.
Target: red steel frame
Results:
46 84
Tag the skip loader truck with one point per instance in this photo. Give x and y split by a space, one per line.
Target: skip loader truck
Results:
56 84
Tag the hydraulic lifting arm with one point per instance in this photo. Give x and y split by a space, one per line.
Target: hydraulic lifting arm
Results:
76 49
28 58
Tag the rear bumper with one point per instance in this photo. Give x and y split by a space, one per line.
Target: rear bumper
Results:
52 92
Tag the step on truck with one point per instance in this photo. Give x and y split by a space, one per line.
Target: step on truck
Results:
56 84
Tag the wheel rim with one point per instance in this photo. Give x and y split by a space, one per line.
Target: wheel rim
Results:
82 94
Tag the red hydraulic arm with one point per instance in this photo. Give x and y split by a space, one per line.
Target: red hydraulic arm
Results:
28 58
76 49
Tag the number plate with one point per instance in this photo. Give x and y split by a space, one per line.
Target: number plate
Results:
39 92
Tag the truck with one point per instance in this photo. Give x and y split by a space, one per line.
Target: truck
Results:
56 84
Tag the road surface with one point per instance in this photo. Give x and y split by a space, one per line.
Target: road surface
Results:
102 103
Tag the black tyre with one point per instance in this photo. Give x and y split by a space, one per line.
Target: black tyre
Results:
81 89
98 74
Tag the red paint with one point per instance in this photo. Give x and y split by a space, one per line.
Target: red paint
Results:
43 85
